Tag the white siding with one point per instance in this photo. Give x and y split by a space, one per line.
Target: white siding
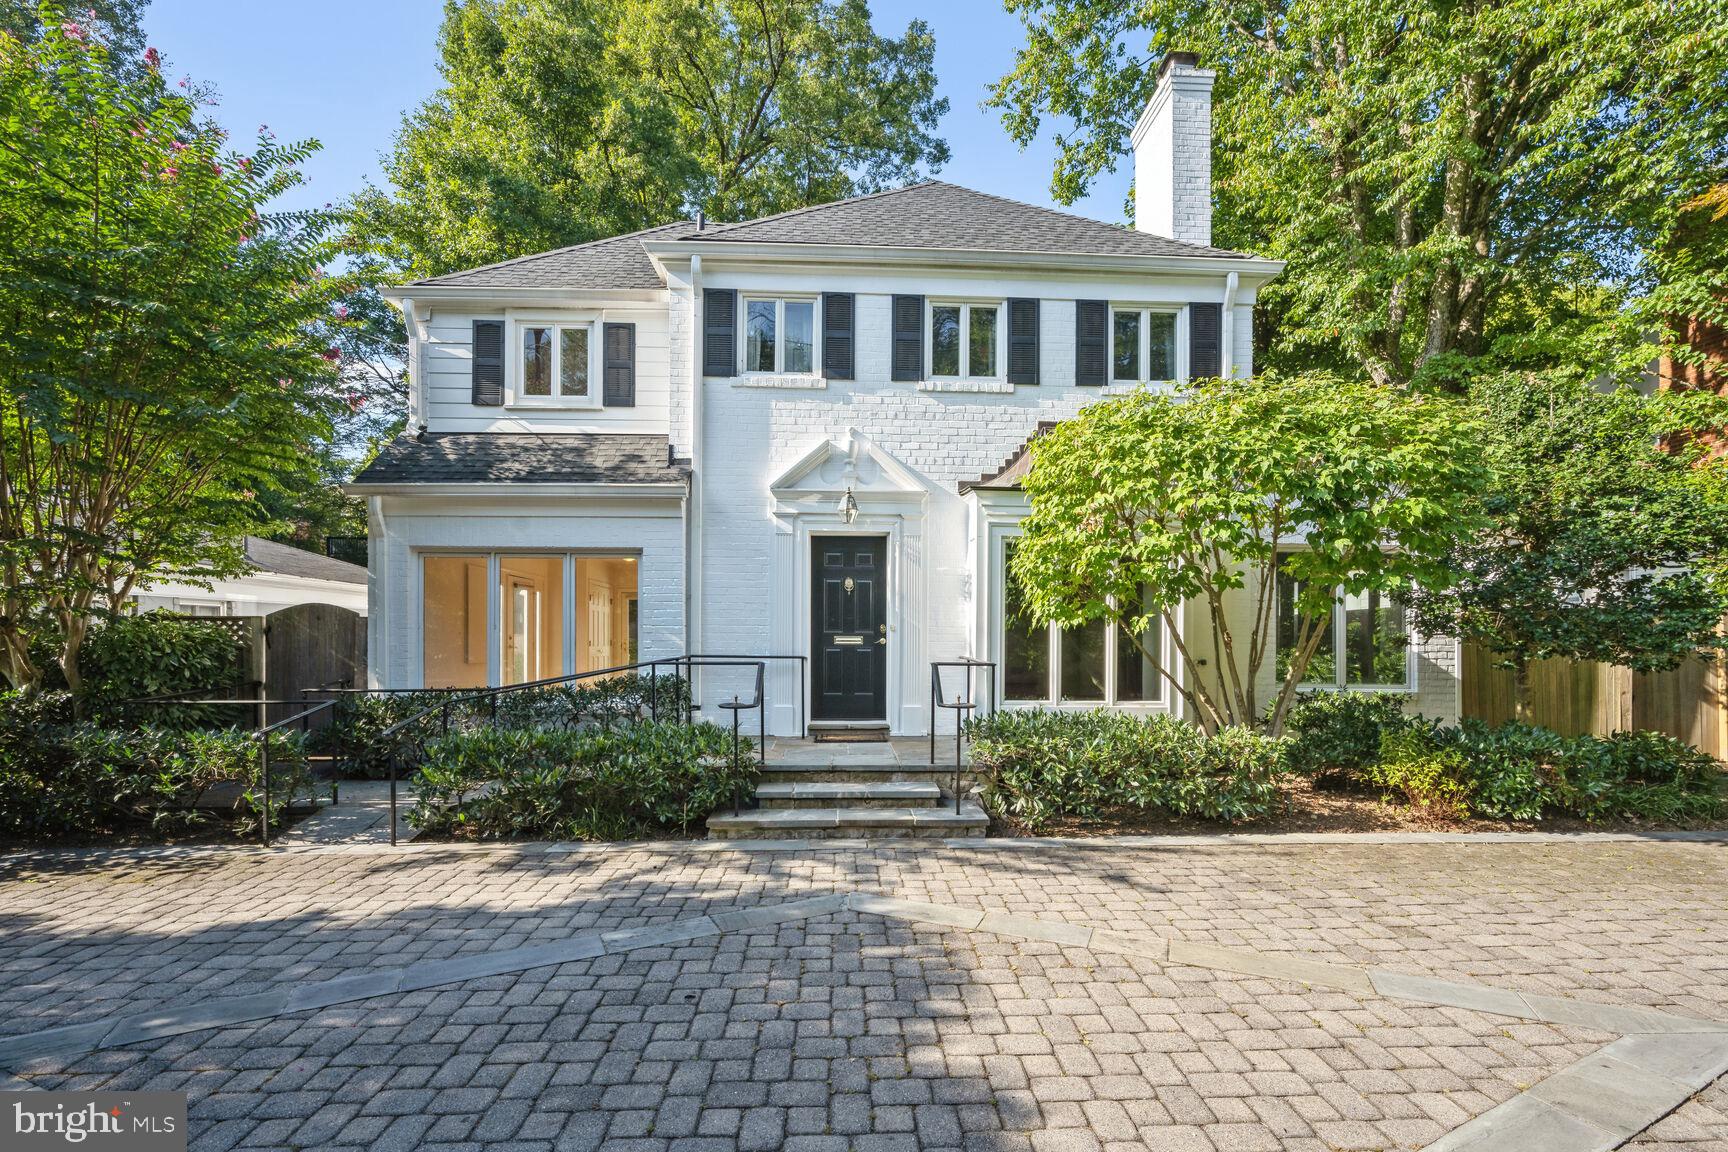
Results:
446 358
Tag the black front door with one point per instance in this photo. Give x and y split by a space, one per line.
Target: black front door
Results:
849 627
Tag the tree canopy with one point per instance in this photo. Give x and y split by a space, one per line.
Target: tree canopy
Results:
1155 500
562 121
1606 526
1446 179
166 356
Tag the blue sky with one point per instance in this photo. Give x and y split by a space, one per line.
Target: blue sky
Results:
344 71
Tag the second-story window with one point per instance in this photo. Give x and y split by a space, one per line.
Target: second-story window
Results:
966 341
1143 345
780 336
553 363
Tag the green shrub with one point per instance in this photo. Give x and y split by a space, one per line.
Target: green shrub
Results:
1036 765
67 779
357 723
1513 769
600 783
615 700
1335 737
132 657
1425 771
1641 775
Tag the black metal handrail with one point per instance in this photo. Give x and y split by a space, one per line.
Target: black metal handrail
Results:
689 662
735 706
960 706
261 732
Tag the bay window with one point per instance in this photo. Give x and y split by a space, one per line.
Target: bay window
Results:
966 341
1364 642
553 363
779 336
499 618
1098 663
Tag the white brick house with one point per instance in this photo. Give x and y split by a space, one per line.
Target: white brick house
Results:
798 435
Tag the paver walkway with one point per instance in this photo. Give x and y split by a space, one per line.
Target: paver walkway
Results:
861 1025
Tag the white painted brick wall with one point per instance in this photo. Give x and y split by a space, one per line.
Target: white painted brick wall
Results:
1173 157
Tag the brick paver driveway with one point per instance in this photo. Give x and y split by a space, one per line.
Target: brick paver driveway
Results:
844 1029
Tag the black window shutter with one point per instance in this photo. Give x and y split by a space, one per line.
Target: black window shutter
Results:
719 332
486 382
908 338
1022 341
837 309
1091 342
1205 322
619 372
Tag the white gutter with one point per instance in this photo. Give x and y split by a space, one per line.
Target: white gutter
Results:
1227 328
515 295
693 502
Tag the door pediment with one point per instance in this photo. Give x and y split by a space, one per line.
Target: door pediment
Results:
855 464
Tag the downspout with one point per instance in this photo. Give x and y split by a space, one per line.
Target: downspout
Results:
416 386
693 504
1227 328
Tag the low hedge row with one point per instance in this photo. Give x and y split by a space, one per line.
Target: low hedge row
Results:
1037 765
1508 772
62 778
603 783
360 719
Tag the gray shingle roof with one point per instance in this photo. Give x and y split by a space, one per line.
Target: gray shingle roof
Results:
935 214
617 262
1013 469
524 458
287 560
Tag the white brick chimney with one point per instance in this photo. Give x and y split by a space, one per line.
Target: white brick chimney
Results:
1173 153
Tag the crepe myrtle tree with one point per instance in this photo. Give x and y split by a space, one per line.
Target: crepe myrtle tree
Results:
166 355
1156 500
1606 534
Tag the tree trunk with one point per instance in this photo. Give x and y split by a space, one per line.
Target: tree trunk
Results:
1521 708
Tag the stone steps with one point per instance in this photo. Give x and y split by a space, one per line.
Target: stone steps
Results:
850 794
863 773
850 823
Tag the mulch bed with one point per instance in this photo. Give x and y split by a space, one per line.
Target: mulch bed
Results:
1328 810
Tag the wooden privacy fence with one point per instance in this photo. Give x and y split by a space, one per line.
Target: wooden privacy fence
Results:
1577 698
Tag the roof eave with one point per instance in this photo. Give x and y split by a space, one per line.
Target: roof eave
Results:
515 294
1255 269
592 489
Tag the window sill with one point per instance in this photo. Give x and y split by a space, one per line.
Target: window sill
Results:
779 380
965 386
1369 689
555 406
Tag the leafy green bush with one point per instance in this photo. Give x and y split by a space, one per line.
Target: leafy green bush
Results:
131 657
1335 737
1513 769
1427 772
1036 765
600 783
59 778
360 719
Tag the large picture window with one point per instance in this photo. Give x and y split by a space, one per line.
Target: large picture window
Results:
1365 642
491 618
966 341
1098 663
554 364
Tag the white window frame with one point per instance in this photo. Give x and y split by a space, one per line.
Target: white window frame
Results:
1144 358
1053 637
495 607
1339 683
779 300
1000 307
515 363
